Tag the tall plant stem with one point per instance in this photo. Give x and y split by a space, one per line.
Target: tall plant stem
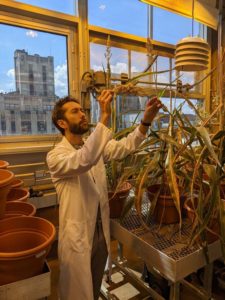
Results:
220 64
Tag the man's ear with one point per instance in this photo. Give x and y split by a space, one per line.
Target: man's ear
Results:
62 123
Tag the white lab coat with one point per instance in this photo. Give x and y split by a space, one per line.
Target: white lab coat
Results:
80 180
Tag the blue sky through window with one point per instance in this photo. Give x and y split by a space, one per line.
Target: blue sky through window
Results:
124 15
33 42
63 6
170 28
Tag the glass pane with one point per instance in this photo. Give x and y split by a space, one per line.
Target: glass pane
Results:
166 28
33 75
188 111
161 64
129 110
67 7
118 65
126 16
118 59
139 63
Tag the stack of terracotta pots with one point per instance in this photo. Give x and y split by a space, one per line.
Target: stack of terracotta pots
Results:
6 178
25 240
10 191
3 164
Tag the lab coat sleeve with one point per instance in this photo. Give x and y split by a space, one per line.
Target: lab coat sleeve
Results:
66 161
120 149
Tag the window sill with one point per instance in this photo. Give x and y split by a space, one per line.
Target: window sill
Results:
35 144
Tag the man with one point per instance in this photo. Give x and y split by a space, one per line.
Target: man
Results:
78 172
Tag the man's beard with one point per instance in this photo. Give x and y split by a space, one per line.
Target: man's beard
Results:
78 128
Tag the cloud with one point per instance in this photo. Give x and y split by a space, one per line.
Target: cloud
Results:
102 7
61 80
119 68
11 73
163 78
134 69
31 33
187 77
7 83
97 68
115 69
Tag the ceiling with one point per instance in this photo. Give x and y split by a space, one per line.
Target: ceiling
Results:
205 11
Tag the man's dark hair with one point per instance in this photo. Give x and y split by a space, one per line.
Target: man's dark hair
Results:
58 111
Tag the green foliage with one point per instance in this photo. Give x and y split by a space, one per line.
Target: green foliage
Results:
184 154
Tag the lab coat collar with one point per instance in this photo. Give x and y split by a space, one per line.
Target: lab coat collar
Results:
66 143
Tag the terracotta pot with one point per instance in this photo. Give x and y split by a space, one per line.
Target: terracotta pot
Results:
3 164
6 178
18 194
24 245
152 189
213 224
165 211
118 199
16 183
16 208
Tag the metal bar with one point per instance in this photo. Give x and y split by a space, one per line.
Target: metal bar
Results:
200 292
145 82
151 292
175 291
168 253
208 276
120 251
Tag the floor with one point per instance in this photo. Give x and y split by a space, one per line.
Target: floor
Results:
136 264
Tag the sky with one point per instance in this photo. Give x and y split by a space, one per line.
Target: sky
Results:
33 42
121 15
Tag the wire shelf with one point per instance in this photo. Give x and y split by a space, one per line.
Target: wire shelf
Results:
168 239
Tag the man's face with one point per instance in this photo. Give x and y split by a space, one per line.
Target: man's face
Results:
75 119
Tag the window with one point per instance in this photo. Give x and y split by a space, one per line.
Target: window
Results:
126 16
139 62
33 75
118 65
130 108
118 60
185 109
170 28
34 65
67 7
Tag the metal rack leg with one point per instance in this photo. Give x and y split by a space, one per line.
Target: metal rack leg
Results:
175 291
207 279
120 251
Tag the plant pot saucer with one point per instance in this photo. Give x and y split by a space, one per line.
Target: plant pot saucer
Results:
3 164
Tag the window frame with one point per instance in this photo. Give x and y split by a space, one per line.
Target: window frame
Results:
26 16
129 42
77 34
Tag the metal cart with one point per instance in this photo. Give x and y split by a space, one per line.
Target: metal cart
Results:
167 250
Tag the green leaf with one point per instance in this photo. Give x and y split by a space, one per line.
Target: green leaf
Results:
172 180
206 138
142 179
218 135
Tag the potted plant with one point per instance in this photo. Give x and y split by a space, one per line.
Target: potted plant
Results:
184 155
119 177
